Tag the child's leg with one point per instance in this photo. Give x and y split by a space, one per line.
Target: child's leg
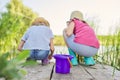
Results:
43 56
39 55
71 52
89 61
45 61
73 60
80 49
31 56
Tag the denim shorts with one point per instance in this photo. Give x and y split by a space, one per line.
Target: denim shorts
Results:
80 49
39 54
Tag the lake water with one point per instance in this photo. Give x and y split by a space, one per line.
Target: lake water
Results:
64 50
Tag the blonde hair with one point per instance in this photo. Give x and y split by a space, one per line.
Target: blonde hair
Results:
76 14
41 21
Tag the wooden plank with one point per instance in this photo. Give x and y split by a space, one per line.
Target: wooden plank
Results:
83 72
80 73
76 73
39 72
58 76
99 72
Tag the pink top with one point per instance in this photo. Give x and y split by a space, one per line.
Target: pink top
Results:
84 34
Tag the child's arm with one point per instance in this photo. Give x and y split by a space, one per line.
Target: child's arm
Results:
51 48
69 29
21 45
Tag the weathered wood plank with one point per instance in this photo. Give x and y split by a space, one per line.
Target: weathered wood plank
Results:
82 72
39 72
102 72
76 73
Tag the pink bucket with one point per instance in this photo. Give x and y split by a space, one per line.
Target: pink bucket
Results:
62 63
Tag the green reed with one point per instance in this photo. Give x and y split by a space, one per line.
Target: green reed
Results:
110 53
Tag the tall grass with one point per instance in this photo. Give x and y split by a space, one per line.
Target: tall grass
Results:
110 53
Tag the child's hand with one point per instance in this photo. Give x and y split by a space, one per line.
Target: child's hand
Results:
21 45
50 57
19 49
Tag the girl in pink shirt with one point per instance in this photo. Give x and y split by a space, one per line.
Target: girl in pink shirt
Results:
81 39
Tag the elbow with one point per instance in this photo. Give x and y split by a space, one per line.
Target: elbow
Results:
23 41
67 32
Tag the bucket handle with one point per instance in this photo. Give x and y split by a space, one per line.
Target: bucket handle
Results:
69 61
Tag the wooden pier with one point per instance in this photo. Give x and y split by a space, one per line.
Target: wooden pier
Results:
80 72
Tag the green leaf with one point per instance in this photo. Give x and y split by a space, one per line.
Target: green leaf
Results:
30 63
24 72
22 55
3 61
